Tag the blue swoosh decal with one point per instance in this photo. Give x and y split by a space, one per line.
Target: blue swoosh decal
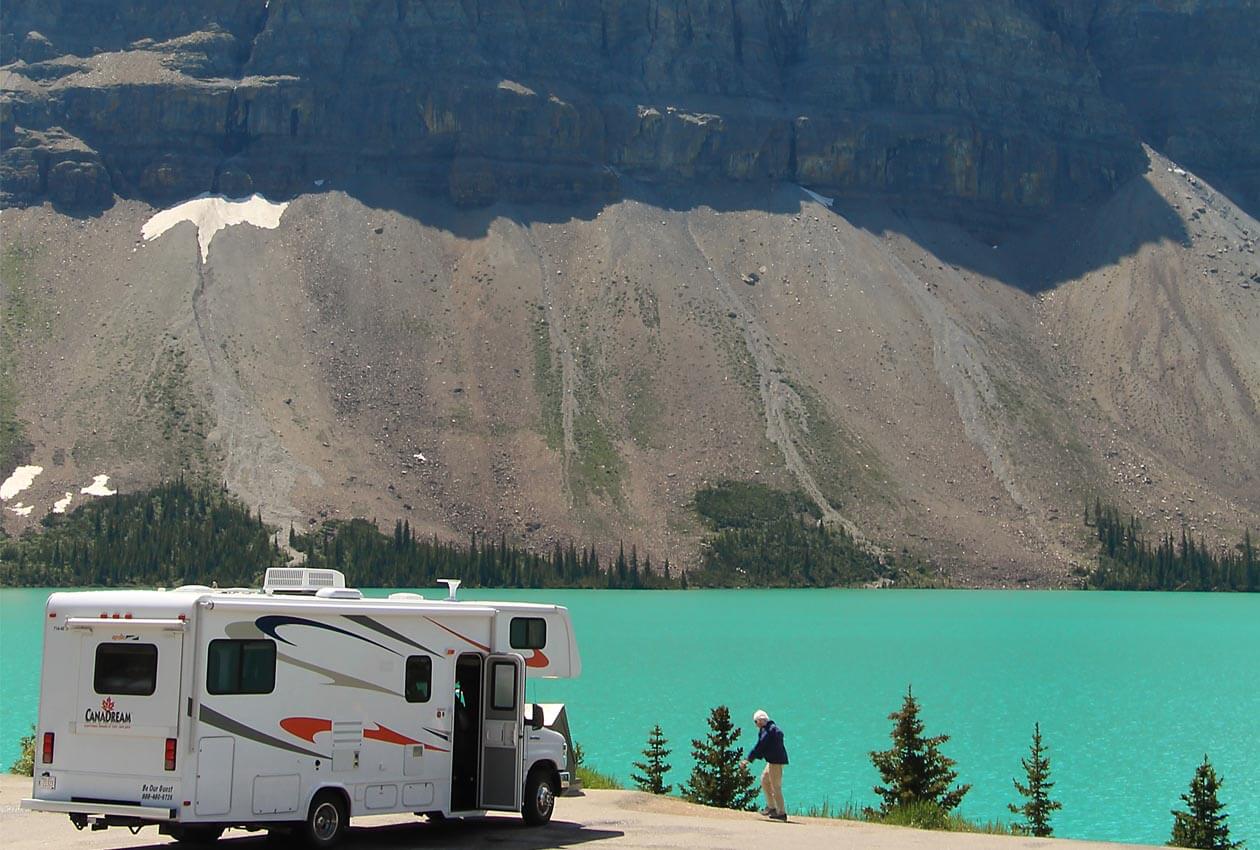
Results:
270 624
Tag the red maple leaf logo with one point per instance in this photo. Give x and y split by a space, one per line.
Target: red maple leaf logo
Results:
107 704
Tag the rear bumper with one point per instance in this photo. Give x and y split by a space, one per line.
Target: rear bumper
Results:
100 810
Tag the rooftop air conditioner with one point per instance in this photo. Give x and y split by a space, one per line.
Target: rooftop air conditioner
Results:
301 580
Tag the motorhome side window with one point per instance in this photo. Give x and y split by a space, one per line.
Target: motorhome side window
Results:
126 669
528 633
241 667
419 682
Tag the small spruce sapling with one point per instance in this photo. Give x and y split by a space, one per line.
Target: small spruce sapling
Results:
652 770
1204 824
720 778
914 770
1037 804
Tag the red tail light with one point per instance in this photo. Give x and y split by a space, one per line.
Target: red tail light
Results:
49 740
170 753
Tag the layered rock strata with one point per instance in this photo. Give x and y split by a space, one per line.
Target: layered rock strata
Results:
993 111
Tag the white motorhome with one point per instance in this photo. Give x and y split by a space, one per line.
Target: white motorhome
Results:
295 708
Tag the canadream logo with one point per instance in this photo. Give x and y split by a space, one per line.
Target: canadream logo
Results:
108 714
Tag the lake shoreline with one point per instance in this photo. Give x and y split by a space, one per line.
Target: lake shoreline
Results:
1130 689
872 586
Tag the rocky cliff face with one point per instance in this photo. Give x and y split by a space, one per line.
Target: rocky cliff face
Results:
1188 73
990 110
629 299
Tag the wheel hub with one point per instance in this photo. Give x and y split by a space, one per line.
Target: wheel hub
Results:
546 799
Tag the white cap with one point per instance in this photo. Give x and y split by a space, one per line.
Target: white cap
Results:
760 715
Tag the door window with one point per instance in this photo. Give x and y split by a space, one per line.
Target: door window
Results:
504 696
126 669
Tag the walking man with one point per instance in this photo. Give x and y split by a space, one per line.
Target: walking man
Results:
770 747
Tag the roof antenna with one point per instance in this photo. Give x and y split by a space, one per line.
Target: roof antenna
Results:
452 585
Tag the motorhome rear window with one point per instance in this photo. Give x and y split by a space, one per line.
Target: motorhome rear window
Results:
419 683
241 667
126 669
528 633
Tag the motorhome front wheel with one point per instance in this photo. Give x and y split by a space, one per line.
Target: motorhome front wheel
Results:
540 797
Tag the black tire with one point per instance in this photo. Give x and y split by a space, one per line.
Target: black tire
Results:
196 836
540 796
327 821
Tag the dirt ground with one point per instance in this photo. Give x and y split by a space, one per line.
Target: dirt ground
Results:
615 819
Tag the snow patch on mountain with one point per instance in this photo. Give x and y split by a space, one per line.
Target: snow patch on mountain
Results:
21 478
212 213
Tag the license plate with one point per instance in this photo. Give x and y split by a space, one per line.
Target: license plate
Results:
46 783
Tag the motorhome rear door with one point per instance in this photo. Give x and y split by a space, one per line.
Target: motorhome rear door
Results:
502 733
128 697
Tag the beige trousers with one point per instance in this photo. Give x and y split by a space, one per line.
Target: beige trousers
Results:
772 786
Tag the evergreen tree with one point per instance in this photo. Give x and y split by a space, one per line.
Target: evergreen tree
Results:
1128 561
653 768
1037 806
1204 824
720 778
915 770
173 534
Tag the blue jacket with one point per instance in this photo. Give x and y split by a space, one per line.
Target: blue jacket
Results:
769 745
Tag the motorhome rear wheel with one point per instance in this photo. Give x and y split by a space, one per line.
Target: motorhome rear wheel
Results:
327 821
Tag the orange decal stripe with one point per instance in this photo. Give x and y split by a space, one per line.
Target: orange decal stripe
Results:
389 736
538 659
305 728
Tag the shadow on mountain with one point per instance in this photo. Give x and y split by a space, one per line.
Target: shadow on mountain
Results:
83 210
1243 193
1033 255
467 222
1064 246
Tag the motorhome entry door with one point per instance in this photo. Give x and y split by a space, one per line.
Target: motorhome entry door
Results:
502 733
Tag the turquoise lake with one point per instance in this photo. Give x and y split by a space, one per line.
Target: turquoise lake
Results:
1131 690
